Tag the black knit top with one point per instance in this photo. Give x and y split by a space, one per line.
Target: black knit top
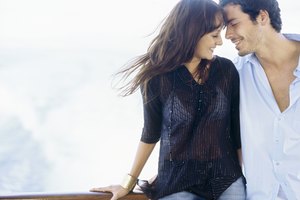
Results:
198 128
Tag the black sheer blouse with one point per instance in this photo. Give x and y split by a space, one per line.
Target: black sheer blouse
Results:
198 128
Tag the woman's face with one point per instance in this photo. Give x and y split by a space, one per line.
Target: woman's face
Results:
207 44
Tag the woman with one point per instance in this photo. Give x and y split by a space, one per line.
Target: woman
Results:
191 104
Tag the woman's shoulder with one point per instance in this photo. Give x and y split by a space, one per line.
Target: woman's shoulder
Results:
223 60
226 66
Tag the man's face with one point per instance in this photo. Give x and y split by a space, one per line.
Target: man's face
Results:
243 32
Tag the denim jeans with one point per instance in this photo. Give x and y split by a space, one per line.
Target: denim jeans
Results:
182 196
236 191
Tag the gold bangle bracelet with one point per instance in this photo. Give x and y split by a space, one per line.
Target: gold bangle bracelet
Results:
129 182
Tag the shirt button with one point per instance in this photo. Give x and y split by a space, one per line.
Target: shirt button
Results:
209 165
277 163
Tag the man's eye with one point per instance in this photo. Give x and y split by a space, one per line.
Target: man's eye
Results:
233 23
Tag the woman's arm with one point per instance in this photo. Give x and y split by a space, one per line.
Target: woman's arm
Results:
143 152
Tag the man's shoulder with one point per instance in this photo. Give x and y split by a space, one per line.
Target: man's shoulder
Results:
292 36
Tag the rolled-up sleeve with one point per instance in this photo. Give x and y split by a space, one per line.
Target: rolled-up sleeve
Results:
152 112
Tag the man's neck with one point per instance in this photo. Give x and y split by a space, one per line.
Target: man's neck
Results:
279 57
278 52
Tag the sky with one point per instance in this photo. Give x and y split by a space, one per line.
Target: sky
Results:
82 24
60 118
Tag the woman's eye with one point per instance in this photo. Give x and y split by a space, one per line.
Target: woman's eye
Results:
216 35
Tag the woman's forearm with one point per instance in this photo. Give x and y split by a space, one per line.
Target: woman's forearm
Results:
143 152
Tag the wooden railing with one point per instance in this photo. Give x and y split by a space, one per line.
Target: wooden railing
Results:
72 196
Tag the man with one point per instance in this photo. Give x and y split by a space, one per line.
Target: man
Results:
269 69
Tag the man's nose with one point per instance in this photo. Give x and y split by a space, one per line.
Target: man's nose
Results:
228 33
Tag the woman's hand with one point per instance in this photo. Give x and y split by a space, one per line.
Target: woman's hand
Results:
117 190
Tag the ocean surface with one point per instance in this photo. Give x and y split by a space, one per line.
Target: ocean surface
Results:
63 127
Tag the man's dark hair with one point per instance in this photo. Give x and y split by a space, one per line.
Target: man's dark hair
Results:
252 8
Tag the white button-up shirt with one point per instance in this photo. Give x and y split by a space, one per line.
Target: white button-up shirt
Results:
270 138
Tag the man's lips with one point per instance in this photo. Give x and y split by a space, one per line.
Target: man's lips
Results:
236 42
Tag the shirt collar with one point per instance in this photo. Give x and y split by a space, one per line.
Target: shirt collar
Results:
295 37
254 61
251 58
291 36
297 70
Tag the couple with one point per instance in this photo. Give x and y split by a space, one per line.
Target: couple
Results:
211 119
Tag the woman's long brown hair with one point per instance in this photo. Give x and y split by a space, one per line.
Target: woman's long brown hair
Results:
175 44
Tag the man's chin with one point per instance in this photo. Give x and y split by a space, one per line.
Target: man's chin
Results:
242 53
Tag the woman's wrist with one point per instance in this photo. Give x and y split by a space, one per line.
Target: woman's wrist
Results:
129 182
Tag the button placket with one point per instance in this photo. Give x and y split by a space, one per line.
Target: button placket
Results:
200 99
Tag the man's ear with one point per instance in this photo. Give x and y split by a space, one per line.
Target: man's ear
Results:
263 17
